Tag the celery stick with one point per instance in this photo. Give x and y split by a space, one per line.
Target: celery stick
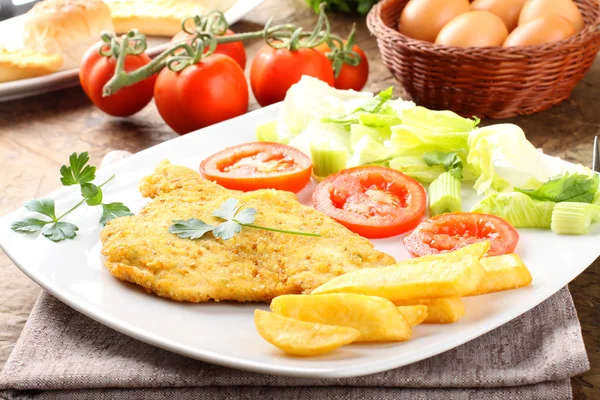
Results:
569 218
444 195
327 159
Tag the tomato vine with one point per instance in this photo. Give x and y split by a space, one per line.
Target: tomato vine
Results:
208 31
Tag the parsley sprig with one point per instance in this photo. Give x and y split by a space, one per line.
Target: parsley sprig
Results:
572 187
77 173
234 217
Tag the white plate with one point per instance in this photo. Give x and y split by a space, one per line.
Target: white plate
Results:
11 38
224 333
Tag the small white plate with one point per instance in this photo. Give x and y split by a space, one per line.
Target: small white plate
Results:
11 31
224 333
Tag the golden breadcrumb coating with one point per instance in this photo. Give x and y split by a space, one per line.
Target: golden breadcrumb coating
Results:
254 265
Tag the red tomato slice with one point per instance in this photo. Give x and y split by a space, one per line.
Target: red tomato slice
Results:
375 202
258 165
448 232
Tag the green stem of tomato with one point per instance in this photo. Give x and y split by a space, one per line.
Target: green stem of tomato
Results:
122 79
122 54
181 55
239 37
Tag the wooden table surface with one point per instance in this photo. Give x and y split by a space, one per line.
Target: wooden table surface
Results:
37 135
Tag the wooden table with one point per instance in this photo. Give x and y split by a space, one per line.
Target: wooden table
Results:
38 134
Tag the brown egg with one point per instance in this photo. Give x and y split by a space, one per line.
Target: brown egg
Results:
533 9
473 29
546 29
423 19
507 10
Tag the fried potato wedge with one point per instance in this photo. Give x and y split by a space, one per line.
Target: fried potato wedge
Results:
439 311
478 250
452 274
301 338
503 272
414 315
376 318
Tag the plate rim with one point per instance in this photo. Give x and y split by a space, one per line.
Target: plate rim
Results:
359 369
362 368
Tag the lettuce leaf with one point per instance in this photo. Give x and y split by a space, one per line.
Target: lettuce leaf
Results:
439 121
415 167
272 131
312 99
503 158
414 140
368 150
518 209
377 103
381 120
305 104
424 131
450 161
412 166
335 135
374 106
358 131
430 132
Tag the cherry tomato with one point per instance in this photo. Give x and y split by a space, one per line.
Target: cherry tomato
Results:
258 165
234 50
350 77
448 232
203 94
273 71
96 70
375 202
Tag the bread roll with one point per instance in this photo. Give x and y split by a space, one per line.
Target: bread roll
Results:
160 17
66 27
22 64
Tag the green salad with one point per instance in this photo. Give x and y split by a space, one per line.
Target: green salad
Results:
341 129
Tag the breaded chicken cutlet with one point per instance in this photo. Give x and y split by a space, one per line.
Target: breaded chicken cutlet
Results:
254 265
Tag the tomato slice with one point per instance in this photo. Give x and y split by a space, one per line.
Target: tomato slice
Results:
258 165
448 232
375 202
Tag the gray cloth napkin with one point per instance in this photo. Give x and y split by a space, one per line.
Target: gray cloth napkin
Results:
64 355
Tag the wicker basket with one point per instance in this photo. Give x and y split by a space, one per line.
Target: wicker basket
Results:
492 82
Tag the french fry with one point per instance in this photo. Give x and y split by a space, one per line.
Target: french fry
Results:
439 311
414 314
478 250
301 338
452 274
376 318
502 273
